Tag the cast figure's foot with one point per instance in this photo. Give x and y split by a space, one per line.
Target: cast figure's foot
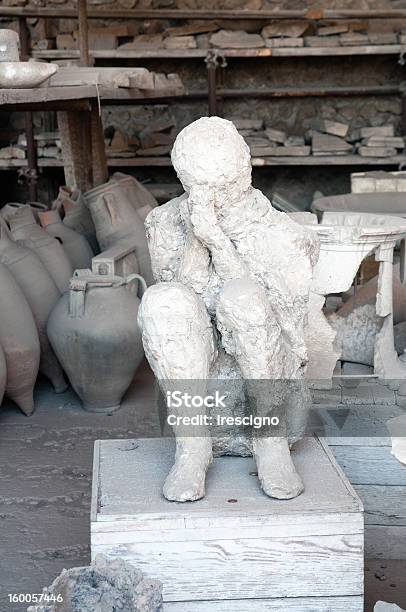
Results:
186 480
276 471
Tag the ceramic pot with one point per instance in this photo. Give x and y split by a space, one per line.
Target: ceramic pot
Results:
75 245
93 330
75 215
115 218
36 208
19 339
139 196
25 230
3 374
41 294
9 46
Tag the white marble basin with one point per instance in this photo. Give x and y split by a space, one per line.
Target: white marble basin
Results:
345 240
24 75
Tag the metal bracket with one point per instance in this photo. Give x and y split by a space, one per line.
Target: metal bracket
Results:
215 59
28 175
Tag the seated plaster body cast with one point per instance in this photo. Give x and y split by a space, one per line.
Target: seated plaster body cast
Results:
233 281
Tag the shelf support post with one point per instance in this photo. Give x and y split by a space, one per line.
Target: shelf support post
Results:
212 62
31 174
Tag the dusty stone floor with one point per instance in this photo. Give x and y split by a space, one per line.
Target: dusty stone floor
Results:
45 488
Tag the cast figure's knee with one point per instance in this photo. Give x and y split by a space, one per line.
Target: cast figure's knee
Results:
243 303
176 331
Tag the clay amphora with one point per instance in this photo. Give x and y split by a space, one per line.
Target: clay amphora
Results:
3 374
139 196
19 339
36 208
24 229
75 245
9 46
41 294
76 216
115 218
93 330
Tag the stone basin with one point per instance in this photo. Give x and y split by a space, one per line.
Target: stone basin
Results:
24 75
346 239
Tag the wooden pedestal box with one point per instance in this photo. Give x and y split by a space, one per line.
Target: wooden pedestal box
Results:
236 550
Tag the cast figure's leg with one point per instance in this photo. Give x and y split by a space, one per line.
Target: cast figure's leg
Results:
250 333
177 335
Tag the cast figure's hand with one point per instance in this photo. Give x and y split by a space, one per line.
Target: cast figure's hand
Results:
203 217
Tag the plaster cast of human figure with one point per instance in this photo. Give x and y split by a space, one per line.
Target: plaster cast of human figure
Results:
233 279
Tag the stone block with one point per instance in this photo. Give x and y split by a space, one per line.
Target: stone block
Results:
381 130
236 39
180 42
277 43
273 151
376 151
276 135
384 141
384 38
326 126
285 29
326 143
353 39
332 30
321 41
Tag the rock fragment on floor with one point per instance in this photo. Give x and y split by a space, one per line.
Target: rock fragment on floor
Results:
105 586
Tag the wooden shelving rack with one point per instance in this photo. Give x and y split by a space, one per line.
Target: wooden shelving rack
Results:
215 93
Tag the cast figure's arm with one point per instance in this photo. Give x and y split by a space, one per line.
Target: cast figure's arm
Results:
224 257
176 253
166 240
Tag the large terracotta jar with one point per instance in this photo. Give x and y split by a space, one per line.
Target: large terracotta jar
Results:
93 330
24 229
20 343
139 196
76 215
75 245
115 218
41 294
3 374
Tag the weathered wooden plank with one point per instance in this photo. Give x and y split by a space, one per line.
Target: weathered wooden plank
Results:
75 134
295 604
385 542
318 14
370 465
42 95
100 172
383 505
228 477
267 567
50 54
222 528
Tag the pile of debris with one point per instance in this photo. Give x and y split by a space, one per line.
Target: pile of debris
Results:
214 34
323 137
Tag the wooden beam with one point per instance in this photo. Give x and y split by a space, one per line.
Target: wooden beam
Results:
188 54
83 33
312 15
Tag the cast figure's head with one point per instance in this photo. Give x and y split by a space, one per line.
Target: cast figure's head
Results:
210 152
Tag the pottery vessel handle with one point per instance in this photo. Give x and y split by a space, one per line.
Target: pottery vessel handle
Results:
112 207
77 295
133 277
